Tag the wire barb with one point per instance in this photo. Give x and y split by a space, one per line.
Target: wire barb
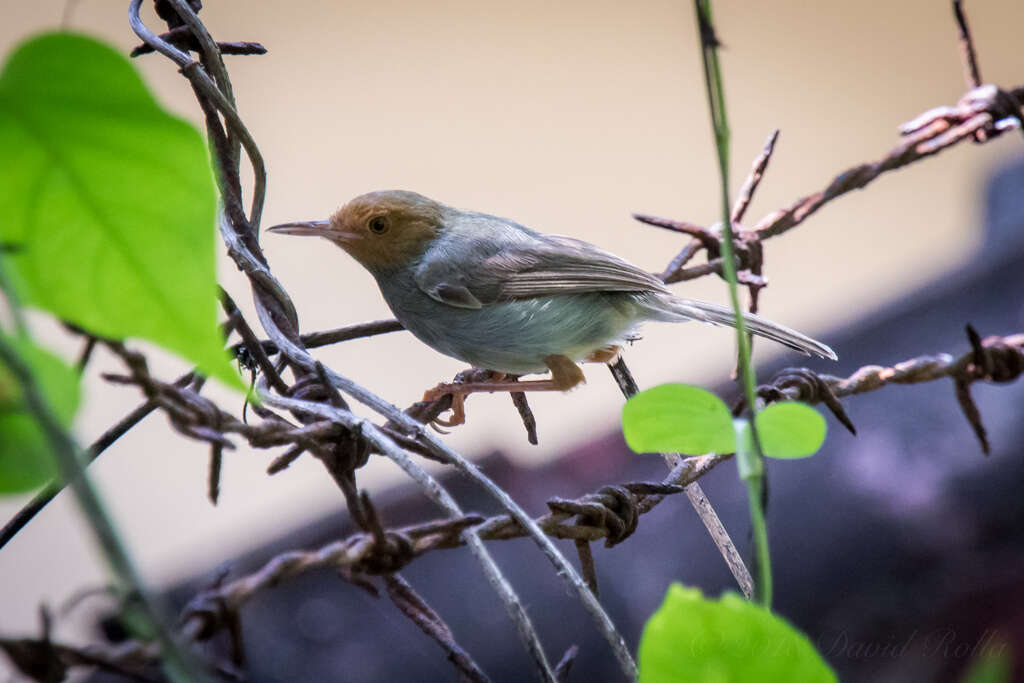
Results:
968 56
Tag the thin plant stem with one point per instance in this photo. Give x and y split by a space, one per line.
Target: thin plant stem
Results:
753 476
142 614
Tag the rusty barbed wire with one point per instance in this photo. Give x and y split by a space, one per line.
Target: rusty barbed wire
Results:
46 660
992 359
421 614
610 514
972 73
42 659
983 113
182 38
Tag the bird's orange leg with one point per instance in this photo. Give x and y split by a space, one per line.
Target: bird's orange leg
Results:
458 414
606 354
565 375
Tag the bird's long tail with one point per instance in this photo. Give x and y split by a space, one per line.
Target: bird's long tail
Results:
674 309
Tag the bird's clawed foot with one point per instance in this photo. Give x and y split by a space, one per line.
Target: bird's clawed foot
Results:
464 384
458 414
565 375
607 354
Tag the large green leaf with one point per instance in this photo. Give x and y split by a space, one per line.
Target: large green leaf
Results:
728 640
108 206
678 418
790 430
26 461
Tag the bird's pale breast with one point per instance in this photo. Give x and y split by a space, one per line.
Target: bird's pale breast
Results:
513 336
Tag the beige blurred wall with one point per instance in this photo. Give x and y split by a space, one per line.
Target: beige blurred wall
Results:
564 116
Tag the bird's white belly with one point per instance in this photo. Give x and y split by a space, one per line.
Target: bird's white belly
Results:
516 336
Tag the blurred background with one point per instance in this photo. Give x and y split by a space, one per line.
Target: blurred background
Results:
568 117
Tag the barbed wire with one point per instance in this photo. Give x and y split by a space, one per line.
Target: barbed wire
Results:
610 513
310 415
982 114
992 359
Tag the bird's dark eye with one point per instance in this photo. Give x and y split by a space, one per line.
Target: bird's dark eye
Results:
378 225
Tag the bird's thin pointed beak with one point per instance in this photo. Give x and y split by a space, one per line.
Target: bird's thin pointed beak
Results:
312 228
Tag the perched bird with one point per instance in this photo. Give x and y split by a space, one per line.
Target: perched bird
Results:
505 298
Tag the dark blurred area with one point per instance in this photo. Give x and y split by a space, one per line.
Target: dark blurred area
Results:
900 552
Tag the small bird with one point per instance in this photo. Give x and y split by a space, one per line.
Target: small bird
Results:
502 297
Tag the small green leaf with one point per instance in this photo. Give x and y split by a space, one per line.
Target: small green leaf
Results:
691 638
108 205
26 461
790 430
678 418
993 664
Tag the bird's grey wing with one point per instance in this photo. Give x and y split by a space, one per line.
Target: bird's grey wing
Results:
542 265
564 265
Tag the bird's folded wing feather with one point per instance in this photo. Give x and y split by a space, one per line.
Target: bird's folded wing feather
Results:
543 266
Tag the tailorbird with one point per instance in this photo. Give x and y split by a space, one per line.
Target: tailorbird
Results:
502 297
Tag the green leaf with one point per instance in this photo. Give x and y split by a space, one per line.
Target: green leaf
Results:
677 418
694 639
790 430
994 664
26 461
108 205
